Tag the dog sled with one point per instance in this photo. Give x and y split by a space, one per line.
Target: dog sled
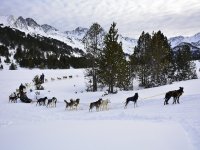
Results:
25 99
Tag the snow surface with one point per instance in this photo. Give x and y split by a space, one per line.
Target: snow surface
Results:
150 126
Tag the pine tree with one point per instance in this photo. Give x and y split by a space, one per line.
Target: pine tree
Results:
186 68
141 59
161 59
113 65
93 42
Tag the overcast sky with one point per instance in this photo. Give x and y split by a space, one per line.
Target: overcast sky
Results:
173 17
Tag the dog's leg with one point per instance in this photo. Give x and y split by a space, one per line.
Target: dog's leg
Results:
126 104
55 103
174 100
178 100
106 107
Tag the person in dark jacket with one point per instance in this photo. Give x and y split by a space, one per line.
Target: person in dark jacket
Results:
21 89
42 78
25 99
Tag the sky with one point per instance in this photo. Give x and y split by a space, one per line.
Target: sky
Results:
172 17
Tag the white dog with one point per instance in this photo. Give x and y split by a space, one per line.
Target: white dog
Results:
104 104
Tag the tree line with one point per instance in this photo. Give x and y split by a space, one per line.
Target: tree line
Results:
153 62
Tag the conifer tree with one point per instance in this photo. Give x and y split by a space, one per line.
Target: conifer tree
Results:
112 66
93 42
186 68
161 59
141 59
12 67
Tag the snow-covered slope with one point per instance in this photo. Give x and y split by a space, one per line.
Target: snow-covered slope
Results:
30 26
150 126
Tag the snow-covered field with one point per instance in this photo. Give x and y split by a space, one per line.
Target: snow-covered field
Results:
150 126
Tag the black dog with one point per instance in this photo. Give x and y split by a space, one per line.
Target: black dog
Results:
95 104
41 101
133 99
73 104
175 94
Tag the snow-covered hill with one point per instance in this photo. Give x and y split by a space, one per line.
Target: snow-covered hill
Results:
150 126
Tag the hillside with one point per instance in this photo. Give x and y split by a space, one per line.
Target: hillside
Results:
72 38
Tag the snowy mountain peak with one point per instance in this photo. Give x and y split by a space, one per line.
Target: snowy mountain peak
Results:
77 34
78 31
11 20
81 30
48 28
21 23
7 20
32 23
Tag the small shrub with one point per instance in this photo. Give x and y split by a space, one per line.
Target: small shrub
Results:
13 67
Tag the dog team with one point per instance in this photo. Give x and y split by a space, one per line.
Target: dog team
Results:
100 104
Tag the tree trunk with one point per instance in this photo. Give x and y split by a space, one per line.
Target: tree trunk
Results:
94 83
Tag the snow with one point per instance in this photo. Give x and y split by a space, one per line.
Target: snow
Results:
150 126
86 135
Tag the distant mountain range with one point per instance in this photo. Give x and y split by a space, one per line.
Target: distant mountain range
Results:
73 38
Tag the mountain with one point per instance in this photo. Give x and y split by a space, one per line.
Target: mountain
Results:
79 32
21 23
31 23
72 38
47 28
193 42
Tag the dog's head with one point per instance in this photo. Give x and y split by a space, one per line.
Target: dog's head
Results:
54 98
77 100
181 89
